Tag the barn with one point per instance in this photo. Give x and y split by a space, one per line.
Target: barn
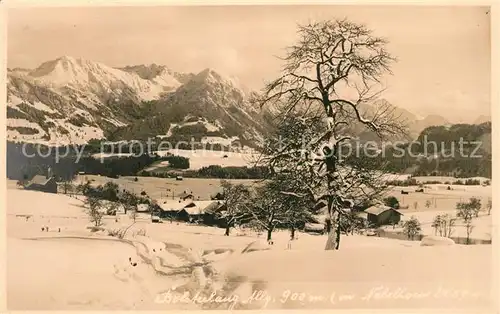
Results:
174 209
191 211
204 212
380 215
43 184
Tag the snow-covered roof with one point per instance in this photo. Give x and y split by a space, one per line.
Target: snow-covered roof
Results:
379 209
40 180
142 207
201 207
172 205
191 207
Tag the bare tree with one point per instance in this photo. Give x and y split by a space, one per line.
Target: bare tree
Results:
436 224
265 209
475 204
358 180
468 229
84 188
93 210
128 200
292 191
412 227
279 203
111 208
235 197
444 225
468 210
133 215
68 187
488 206
335 66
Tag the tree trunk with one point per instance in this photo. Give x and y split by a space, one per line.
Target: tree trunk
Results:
269 233
337 234
332 243
227 230
333 240
328 225
292 234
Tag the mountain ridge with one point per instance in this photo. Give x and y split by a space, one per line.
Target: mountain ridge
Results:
74 100
67 97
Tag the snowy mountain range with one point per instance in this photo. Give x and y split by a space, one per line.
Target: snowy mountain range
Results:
70 100
73 100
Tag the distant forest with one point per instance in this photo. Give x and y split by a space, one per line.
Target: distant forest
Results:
422 162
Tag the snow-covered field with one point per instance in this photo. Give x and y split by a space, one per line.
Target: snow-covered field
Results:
75 269
438 196
204 158
161 187
447 179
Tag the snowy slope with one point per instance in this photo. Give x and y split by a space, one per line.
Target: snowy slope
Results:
96 77
209 107
73 100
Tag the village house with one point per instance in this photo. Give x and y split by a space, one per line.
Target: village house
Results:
380 215
170 208
191 211
40 183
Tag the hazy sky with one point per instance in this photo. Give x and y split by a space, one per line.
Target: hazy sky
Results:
443 52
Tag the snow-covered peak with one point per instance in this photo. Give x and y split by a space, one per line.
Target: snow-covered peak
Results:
70 70
147 72
86 75
155 73
208 75
212 77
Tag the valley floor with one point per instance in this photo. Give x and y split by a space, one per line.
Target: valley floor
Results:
178 266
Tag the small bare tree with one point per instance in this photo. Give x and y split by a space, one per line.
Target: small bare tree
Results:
84 188
488 206
111 208
436 224
93 210
133 215
428 203
129 201
475 204
279 203
235 198
468 210
448 225
68 187
444 225
468 229
412 227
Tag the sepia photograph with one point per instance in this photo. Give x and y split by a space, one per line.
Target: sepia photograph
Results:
249 157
